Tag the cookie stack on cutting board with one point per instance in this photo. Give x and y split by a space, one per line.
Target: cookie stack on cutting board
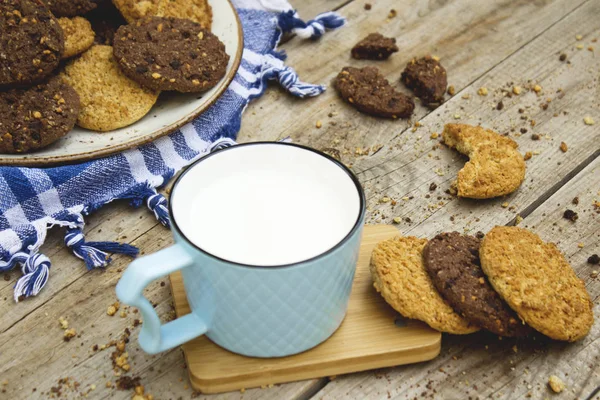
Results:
77 62
509 282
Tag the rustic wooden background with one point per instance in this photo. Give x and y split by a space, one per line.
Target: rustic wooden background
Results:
492 44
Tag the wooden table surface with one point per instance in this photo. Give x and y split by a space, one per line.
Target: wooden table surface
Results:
491 44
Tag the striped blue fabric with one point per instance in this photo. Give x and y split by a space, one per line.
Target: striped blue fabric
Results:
32 200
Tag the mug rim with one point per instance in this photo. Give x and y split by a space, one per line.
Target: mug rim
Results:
357 224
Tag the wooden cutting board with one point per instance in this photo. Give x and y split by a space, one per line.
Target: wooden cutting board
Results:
372 336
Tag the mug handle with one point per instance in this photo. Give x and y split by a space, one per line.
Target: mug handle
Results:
154 337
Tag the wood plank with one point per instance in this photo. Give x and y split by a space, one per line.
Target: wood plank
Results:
480 365
350 348
309 9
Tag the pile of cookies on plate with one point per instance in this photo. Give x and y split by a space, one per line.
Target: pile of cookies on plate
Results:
508 282
97 64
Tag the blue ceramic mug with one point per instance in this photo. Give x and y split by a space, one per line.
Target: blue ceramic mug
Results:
266 238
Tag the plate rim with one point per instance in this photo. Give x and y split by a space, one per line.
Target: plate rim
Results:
55 161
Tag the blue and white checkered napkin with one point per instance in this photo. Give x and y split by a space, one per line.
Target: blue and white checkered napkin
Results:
32 200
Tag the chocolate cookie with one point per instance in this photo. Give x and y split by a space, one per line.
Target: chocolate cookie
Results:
374 47
170 54
31 42
70 8
452 262
427 79
35 117
368 91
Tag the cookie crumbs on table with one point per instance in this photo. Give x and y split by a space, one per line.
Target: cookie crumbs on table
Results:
570 215
556 384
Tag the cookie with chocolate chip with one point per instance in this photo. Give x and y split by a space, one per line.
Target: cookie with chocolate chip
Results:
369 92
374 47
31 42
70 8
170 54
427 79
35 117
452 262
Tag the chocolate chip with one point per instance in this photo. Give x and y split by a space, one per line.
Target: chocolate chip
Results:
175 64
562 57
500 105
594 259
432 187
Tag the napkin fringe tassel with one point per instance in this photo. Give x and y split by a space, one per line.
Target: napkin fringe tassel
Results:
289 21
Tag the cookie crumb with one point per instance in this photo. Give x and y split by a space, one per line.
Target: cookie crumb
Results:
537 88
562 57
500 105
518 220
368 6
69 334
451 90
434 135
527 156
432 187
64 324
556 384
594 259
516 90
575 200
392 14
570 215
112 309
397 220
563 147
579 47
589 121
319 124
578 37
535 136
482 91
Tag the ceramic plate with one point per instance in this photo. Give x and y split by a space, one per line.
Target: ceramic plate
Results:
171 111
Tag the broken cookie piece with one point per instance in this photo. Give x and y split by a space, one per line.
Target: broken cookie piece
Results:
369 92
374 47
427 79
495 168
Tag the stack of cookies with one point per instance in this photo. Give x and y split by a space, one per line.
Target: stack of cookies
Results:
67 62
508 282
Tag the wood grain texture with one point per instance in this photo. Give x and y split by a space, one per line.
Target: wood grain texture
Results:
489 43
350 349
